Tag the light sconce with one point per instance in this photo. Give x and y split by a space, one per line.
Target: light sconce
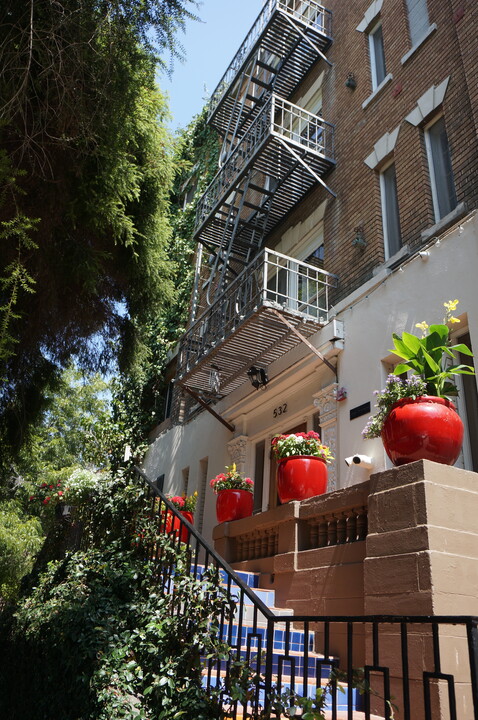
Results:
351 81
359 238
340 394
257 376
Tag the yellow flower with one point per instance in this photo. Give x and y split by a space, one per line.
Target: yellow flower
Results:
423 326
453 319
451 305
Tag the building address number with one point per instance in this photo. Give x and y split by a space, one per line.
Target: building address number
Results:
281 410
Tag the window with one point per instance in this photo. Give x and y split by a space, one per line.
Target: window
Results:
441 173
377 56
418 22
390 214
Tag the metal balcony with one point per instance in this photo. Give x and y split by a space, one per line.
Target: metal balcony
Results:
289 150
286 39
242 327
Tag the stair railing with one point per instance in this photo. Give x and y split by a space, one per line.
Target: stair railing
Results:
385 666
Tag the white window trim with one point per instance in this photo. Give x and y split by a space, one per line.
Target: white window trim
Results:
431 166
371 51
419 43
384 211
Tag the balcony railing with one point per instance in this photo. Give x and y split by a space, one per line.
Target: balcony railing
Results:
309 15
232 332
305 133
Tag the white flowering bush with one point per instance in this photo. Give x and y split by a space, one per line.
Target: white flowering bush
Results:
81 485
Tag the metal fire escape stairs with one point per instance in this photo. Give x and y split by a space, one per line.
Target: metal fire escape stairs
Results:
272 153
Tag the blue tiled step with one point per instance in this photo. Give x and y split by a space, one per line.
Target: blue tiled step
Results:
293 641
310 690
316 667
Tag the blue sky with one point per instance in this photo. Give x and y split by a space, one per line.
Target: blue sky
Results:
209 45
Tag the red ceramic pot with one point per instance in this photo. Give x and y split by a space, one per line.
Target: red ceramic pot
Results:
234 505
300 477
174 524
428 428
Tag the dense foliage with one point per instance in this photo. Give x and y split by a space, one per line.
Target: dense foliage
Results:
99 631
21 537
85 176
139 394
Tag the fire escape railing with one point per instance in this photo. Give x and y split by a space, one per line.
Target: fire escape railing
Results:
271 279
279 118
307 12
407 662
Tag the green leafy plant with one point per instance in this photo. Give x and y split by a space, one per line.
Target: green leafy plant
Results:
284 446
428 357
231 480
103 617
20 539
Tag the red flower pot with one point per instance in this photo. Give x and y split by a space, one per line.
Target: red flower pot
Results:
300 477
428 428
174 524
234 505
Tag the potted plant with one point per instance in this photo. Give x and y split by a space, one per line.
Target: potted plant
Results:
186 504
235 498
416 418
301 470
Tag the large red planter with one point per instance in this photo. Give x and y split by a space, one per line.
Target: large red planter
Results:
174 524
428 428
234 505
300 477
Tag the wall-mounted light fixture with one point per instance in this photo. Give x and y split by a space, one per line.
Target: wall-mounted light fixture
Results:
257 376
359 237
351 81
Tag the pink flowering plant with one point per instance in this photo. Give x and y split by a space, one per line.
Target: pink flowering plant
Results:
48 494
284 446
231 480
184 502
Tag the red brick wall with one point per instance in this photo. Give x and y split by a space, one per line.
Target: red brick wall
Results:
452 50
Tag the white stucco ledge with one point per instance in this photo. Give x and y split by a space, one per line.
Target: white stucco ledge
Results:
445 222
386 80
419 43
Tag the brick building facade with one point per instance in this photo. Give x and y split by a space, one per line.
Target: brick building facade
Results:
383 225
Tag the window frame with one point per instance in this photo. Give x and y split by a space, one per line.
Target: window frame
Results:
386 210
422 5
376 81
432 171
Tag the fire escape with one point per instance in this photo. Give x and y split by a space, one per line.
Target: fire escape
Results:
253 301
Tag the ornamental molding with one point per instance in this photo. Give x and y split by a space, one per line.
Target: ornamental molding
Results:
325 401
382 148
237 449
428 102
370 14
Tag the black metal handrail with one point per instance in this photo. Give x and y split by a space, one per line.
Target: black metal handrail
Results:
412 667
